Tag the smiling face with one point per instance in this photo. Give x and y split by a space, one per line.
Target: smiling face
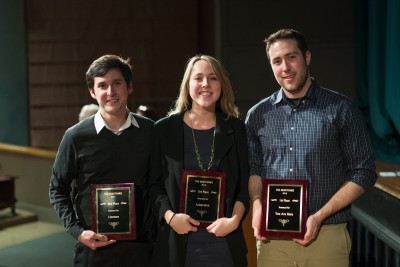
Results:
290 67
111 93
204 86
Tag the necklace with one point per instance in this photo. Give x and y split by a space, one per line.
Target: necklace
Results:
196 149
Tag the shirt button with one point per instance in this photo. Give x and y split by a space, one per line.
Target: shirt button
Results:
295 109
291 148
290 170
292 128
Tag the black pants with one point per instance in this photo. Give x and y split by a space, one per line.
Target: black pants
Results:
120 254
207 250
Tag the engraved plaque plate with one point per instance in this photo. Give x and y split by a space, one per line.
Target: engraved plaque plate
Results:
203 195
284 208
113 210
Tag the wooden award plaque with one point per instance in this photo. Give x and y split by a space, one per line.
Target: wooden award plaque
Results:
284 208
203 195
113 212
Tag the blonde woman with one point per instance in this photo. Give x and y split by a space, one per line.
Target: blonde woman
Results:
202 132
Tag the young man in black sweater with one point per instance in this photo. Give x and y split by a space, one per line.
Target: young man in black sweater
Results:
112 146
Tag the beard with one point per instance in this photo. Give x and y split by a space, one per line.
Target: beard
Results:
298 86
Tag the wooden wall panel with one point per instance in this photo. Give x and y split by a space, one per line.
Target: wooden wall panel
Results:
64 37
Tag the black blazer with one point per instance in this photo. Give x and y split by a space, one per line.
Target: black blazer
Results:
230 156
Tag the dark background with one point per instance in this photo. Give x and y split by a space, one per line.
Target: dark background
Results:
46 47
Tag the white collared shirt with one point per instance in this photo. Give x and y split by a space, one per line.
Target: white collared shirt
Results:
100 123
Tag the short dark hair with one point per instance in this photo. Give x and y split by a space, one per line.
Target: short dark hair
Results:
287 34
103 64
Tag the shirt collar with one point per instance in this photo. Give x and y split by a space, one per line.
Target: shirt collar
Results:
99 123
311 93
279 97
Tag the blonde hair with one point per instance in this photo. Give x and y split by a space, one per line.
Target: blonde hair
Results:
226 102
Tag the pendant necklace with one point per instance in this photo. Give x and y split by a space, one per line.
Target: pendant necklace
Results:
196 149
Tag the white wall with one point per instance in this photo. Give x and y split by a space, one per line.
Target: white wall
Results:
32 169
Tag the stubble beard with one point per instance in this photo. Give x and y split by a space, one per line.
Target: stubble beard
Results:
300 87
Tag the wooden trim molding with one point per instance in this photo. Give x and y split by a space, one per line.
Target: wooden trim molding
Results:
31 151
388 178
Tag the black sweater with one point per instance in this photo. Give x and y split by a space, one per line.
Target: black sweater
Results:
91 158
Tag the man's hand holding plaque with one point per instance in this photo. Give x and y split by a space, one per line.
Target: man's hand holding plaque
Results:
203 195
113 211
284 208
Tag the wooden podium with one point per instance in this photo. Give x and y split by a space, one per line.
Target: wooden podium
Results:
7 193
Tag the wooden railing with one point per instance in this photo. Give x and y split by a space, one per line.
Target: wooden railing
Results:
31 151
375 228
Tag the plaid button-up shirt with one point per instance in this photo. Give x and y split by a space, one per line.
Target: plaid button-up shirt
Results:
322 139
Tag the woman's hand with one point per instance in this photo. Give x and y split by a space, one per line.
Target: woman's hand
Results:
183 223
223 226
